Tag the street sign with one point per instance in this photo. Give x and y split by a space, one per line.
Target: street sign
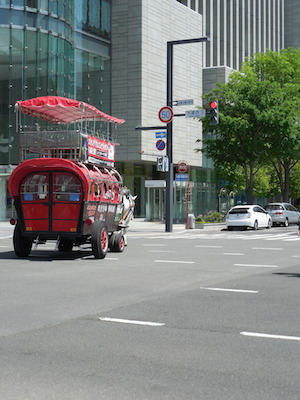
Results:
187 102
195 113
155 183
160 145
165 114
160 135
181 177
182 167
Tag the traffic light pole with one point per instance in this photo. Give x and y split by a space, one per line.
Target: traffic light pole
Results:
169 150
170 172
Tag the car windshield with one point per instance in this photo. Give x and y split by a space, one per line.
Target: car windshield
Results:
239 211
274 207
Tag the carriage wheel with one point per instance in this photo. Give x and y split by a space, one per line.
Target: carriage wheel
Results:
22 244
99 239
119 242
111 243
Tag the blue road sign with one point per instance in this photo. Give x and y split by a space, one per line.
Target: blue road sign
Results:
181 177
161 135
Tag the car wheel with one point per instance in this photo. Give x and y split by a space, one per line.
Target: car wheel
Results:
286 223
255 226
269 224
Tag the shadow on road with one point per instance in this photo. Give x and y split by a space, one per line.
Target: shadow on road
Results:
288 274
49 255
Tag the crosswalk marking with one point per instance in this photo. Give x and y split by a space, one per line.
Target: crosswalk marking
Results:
284 236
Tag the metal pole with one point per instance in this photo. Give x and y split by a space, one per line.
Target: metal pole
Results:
169 151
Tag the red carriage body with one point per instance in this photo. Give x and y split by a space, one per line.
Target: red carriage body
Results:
73 201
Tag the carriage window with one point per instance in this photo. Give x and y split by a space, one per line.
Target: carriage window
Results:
96 189
66 188
35 187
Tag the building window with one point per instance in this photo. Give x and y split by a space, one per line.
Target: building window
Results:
93 16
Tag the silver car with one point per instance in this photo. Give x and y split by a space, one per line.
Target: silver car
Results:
283 213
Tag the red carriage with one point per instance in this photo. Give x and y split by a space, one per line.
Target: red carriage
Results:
66 188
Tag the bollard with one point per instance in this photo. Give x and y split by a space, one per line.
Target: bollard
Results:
191 221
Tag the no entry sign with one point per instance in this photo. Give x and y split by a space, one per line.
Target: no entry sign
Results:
182 167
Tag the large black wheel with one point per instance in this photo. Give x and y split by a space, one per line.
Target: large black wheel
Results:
119 242
65 245
269 226
286 223
255 226
111 243
22 244
99 239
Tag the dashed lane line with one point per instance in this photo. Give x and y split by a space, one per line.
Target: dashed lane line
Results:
267 248
269 336
230 290
130 321
174 261
208 246
256 265
234 254
161 251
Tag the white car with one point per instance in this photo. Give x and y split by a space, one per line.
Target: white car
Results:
248 216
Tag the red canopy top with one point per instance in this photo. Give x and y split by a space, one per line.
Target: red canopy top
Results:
63 110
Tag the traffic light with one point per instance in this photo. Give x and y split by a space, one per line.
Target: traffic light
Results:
213 113
160 164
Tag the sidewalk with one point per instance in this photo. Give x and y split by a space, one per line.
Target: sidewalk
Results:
139 225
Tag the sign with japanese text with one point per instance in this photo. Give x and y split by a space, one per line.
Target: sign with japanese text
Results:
97 151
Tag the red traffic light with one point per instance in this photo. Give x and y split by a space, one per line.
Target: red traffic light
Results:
213 104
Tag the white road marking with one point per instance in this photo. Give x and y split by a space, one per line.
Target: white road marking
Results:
111 258
268 336
6 237
129 321
210 247
161 251
295 256
256 265
174 261
267 248
234 254
154 244
230 290
5 247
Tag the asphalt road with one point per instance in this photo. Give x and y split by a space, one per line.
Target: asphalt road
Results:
185 315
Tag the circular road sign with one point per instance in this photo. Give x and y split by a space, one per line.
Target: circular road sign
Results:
182 167
160 145
165 114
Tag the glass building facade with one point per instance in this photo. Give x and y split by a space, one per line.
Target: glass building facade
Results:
51 47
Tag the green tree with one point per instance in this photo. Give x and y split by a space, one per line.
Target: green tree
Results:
259 119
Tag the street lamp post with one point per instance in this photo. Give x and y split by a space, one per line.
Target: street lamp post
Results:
170 173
